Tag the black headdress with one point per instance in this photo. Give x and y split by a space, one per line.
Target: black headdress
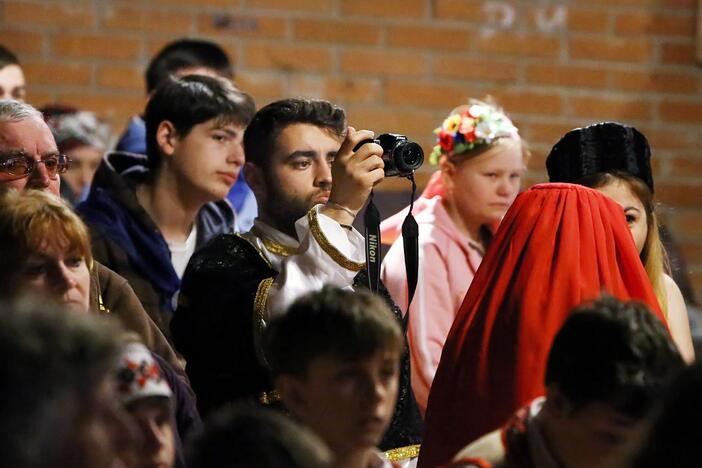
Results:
602 147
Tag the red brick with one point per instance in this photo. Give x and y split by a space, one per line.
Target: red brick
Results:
587 20
425 94
94 46
546 133
353 32
652 23
687 223
678 54
52 15
534 45
139 19
39 98
681 111
287 57
197 3
122 77
243 26
670 139
110 106
566 75
528 102
448 66
692 251
57 74
22 41
429 37
337 89
316 6
386 8
414 124
609 108
686 167
460 10
679 194
262 87
371 62
619 50
654 81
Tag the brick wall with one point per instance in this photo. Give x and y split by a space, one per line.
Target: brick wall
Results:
400 65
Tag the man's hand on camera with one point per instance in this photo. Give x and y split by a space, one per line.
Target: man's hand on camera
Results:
354 174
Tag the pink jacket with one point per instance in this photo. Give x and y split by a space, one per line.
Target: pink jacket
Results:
448 261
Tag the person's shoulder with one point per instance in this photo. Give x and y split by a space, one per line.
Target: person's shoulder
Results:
489 448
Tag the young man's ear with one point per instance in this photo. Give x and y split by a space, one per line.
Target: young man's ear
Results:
166 137
256 180
292 394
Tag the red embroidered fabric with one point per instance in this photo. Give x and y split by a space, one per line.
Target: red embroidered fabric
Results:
558 246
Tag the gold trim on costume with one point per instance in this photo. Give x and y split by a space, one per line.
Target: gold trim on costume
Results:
328 248
259 318
278 249
101 305
403 453
268 398
256 248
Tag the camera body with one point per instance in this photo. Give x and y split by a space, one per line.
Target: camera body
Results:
400 155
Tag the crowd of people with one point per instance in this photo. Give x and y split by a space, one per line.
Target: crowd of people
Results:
198 296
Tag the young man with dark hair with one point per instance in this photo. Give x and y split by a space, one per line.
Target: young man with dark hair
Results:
12 82
335 357
148 214
301 241
180 58
607 366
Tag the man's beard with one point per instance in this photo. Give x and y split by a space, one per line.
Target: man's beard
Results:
284 210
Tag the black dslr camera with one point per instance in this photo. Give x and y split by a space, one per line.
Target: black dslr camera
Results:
401 156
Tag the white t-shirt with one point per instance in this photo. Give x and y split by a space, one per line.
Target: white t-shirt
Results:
181 252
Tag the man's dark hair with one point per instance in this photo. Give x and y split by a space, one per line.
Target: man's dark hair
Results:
7 57
187 53
256 436
192 100
50 359
612 352
262 133
348 325
674 439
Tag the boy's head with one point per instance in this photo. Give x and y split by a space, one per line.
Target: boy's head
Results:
12 82
335 359
607 366
194 127
185 57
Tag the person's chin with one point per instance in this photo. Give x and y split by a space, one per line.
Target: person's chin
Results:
75 306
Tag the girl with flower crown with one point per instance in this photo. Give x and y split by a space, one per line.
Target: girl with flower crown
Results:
481 159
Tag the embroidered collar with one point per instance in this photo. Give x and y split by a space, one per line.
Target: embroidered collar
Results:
262 231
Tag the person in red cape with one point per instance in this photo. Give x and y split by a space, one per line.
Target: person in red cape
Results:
558 246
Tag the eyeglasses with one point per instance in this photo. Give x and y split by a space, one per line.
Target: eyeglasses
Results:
22 165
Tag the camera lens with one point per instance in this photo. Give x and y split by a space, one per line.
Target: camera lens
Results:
410 157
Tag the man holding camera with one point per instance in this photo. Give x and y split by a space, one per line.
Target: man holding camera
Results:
301 240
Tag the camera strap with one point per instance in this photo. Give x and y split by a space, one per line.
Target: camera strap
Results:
371 218
410 240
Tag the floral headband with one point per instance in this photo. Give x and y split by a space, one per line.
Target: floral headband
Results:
475 125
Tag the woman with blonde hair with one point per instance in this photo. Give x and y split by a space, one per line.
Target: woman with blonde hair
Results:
615 159
481 159
45 249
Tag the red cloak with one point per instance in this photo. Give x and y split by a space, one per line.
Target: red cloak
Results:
559 245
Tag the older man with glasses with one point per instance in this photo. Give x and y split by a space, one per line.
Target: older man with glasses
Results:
29 157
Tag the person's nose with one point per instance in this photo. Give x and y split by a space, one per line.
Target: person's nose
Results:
236 154
62 278
505 187
39 178
323 175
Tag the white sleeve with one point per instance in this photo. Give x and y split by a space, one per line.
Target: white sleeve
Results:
329 254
